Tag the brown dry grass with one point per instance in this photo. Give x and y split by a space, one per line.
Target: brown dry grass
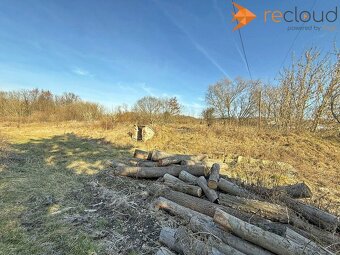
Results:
316 160
51 175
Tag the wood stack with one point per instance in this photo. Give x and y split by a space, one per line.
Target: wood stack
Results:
234 219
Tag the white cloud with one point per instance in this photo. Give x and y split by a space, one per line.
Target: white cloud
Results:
81 72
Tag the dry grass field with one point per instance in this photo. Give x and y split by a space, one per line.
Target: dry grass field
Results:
56 196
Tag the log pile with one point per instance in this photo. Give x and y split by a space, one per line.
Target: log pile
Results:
222 217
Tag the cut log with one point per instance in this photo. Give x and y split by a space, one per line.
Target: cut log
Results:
156 172
315 215
191 162
270 241
264 209
114 163
189 245
214 176
233 189
167 237
169 161
188 178
210 193
312 232
180 241
158 155
310 246
299 190
203 223
164 251
178 185
208 208
142 154
147 163
200 224
221 247
175 209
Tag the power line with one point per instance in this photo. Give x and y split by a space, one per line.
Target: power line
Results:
243 49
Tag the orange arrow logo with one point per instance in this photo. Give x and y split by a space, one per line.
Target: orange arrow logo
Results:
243 16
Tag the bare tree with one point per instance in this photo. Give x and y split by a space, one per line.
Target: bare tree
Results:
222 96
208 115
149 107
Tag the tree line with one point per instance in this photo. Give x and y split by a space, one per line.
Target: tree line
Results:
306 96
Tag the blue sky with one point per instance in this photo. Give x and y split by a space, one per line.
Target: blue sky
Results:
116 51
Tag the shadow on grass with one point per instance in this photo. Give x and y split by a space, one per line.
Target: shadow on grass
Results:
41 179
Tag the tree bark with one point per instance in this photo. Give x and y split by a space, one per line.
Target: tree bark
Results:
233 189
167 237
164 251
208 208
214 176
191 162
210 193
175 209
310 246
180 241
299 190
142 154
147 163
264 209
270 241
315 215
312 232
178 185
201 224
189 245
156 172
188 178
169 161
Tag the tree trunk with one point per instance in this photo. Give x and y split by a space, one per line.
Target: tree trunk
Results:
210 193
191 162
156 172
233 189
312 232
203 223
264 209
180 241
178 185
175 209
142 154
270 241
167 237
315 215
189 245
221 247
208 208
169 161
298 190
214 176
310 246
199 224
147 163
164 251
189 178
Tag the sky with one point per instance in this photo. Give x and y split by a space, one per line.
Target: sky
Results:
115 51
